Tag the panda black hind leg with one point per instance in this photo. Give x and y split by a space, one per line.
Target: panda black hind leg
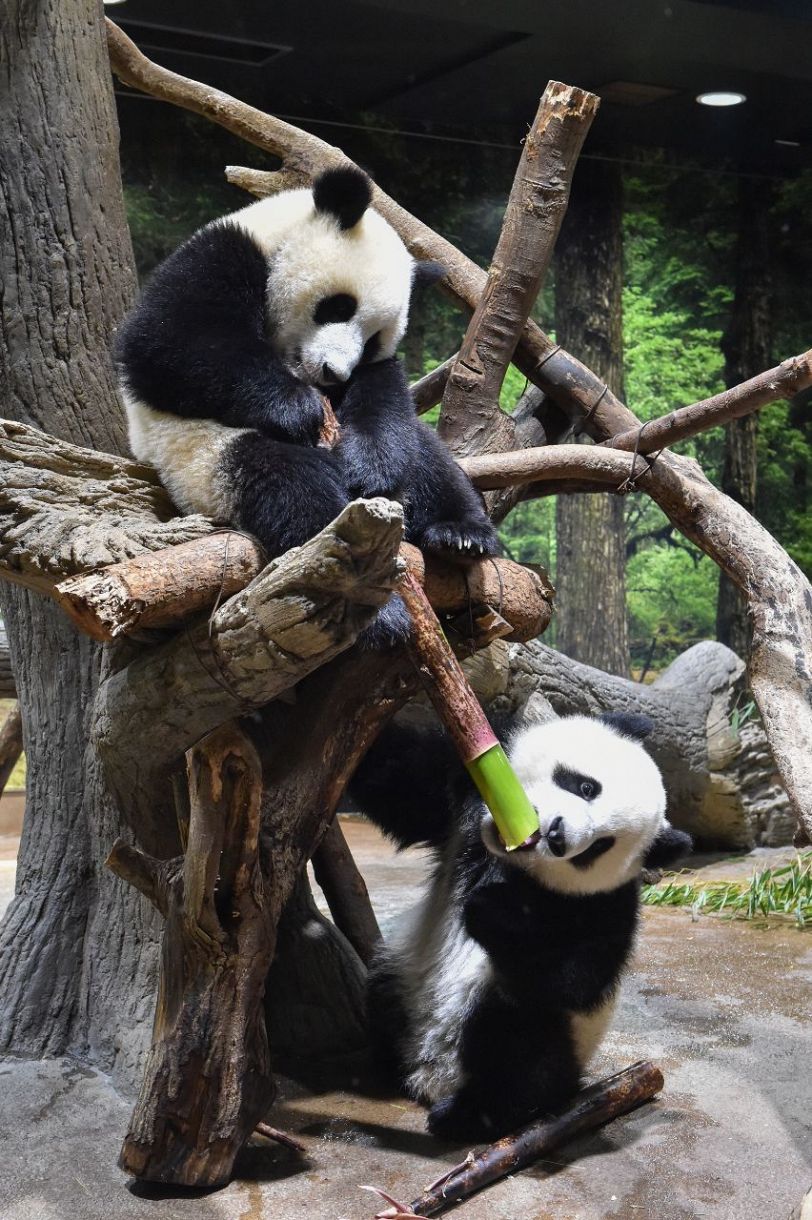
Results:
444 512
517 1062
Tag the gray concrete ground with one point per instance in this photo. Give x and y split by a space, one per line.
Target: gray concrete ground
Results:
722 1007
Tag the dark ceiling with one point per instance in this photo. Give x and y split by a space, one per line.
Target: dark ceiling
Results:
479 66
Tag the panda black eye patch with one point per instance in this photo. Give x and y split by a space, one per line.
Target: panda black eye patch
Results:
579 785
340 307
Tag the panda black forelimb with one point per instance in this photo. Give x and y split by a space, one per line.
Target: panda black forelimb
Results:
401 785
444 511
377 448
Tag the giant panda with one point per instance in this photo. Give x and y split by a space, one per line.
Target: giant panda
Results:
224 362
490 998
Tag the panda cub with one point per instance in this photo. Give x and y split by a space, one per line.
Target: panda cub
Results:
491 997
224 362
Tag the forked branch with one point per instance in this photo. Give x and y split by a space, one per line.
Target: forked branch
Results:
471 420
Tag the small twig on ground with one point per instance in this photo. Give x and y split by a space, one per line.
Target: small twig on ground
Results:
279 1137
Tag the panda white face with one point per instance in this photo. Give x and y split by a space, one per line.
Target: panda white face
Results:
339 278
600 800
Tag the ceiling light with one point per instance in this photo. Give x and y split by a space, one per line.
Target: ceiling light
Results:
721 98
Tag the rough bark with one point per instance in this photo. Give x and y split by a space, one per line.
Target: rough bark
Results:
162 589
300 612
66 509
167 587
471 419
747 348
75 958
207 1079
694 740
591 555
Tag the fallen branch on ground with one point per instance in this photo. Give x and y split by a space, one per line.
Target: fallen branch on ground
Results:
593 1107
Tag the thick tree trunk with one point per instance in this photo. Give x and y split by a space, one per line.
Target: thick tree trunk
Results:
747 349
76 951
590 569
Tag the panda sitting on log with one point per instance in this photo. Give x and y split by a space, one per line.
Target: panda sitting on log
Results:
490 999
224 363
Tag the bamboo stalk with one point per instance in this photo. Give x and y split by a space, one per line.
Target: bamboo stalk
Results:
458 707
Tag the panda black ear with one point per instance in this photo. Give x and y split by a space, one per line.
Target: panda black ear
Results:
426 273
630 724
344 193
669 846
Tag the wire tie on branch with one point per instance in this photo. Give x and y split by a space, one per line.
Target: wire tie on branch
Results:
552 352
630 483
588 417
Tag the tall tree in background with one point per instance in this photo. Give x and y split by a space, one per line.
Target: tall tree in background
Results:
746 345
590 569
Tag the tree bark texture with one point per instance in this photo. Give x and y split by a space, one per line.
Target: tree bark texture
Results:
471 419
591 554
747 348
76 954
202 1096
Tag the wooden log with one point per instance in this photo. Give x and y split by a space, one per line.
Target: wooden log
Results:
429 389
208 1078
163 588
345 892
301 611
595 1106
471 419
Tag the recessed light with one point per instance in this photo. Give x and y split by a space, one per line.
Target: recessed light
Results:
721 98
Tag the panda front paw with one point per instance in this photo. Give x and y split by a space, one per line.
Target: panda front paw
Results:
460 541
301 416
390 628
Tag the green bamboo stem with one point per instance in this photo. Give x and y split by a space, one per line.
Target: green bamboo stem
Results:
458 708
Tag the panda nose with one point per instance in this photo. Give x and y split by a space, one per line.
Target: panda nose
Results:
331 376
556 838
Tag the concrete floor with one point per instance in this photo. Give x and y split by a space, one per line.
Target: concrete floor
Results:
722 1007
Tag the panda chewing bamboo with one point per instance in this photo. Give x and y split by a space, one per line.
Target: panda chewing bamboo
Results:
225 359
491 997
